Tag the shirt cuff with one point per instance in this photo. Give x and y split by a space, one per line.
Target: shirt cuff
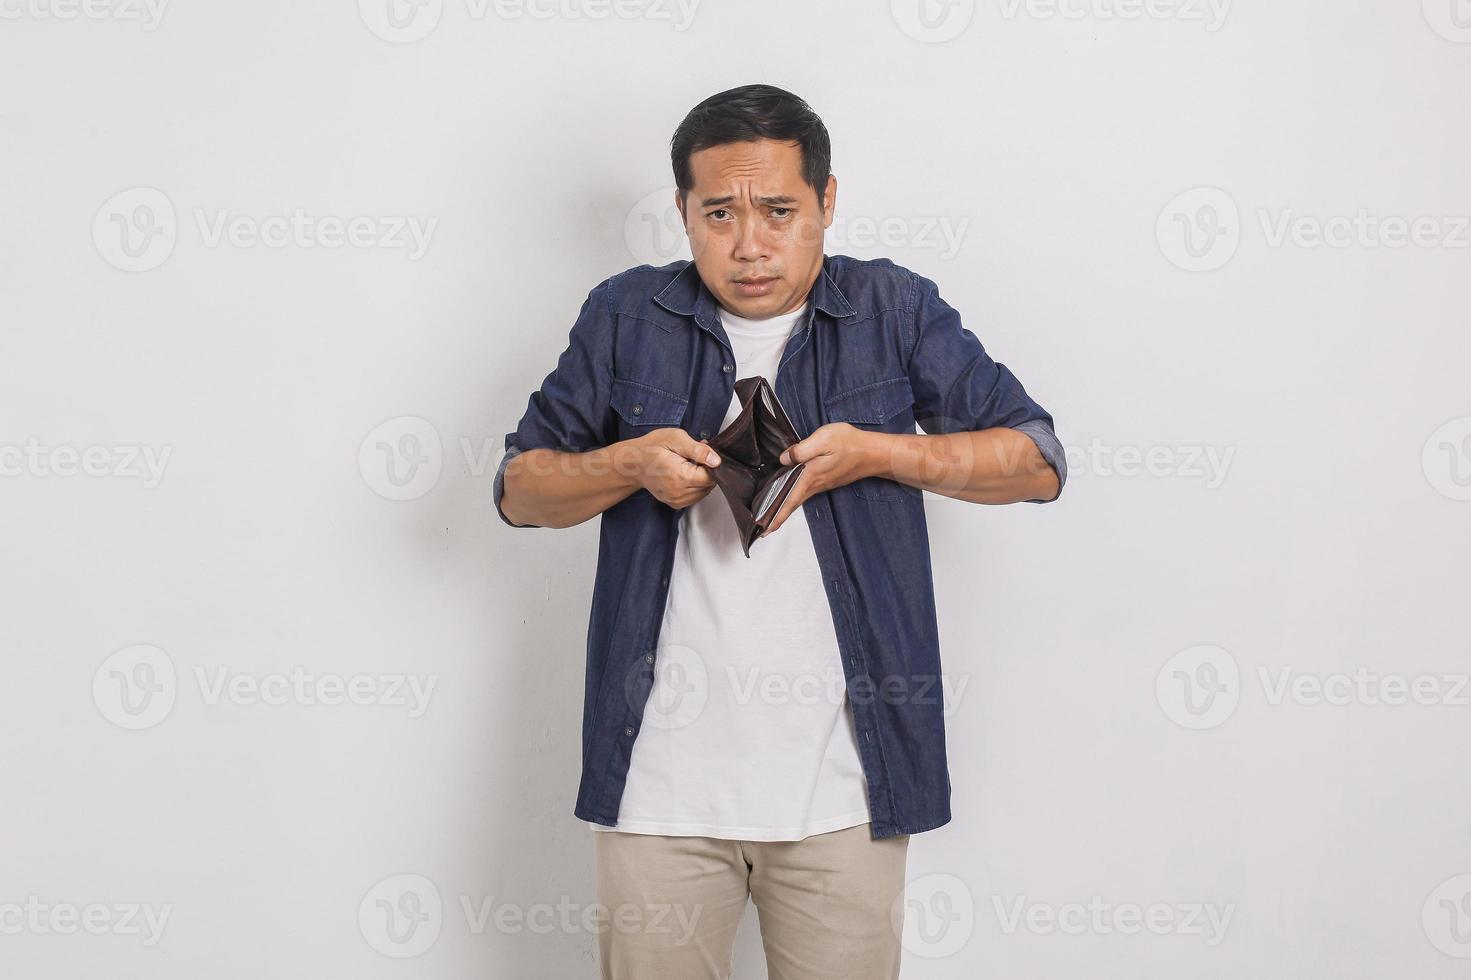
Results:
1041 433
498 488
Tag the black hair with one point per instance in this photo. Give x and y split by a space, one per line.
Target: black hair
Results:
752 112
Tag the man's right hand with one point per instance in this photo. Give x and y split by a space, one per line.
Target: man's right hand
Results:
673 467
548 488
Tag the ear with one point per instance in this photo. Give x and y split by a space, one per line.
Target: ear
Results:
679 204
829 201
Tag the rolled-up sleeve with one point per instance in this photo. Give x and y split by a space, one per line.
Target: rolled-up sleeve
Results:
959 388
570 411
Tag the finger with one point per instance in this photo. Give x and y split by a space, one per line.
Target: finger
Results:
698 477
691 496
688 479
793 501
801 452
822 441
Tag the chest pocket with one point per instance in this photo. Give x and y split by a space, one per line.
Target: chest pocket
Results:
642 408
884 406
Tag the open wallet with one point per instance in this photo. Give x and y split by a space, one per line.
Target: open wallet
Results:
750 474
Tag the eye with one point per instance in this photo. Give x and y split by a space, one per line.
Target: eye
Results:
717 211
785 212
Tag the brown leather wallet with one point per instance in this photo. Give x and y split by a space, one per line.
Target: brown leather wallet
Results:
750 474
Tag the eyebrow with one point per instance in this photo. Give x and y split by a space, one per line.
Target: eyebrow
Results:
778 200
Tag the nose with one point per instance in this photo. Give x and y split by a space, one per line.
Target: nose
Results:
750 243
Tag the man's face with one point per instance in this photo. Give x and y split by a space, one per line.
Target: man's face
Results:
755 226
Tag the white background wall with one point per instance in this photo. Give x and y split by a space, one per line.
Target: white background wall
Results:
1303 409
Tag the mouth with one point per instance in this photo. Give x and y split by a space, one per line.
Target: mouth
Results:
755 285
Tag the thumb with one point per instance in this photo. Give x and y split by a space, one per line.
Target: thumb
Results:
797 452
695 452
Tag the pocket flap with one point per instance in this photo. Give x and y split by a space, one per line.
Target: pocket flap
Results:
641 404
872 403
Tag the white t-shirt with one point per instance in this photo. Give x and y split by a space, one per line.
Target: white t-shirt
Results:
746 734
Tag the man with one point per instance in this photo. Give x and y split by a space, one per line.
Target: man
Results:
766 726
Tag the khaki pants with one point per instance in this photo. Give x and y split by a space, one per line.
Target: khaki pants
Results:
830 906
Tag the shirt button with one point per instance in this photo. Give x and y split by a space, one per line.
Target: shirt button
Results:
628 731
649 658
638 409
727 368
704 433
664 582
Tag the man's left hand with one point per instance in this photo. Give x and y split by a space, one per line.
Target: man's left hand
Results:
836 455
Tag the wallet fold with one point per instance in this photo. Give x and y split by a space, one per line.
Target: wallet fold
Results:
750 475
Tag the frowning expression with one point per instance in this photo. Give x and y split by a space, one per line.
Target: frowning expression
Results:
755 226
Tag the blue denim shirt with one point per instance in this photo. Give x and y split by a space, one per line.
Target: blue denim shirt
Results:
878 349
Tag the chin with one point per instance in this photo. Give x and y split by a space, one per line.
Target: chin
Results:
757 307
